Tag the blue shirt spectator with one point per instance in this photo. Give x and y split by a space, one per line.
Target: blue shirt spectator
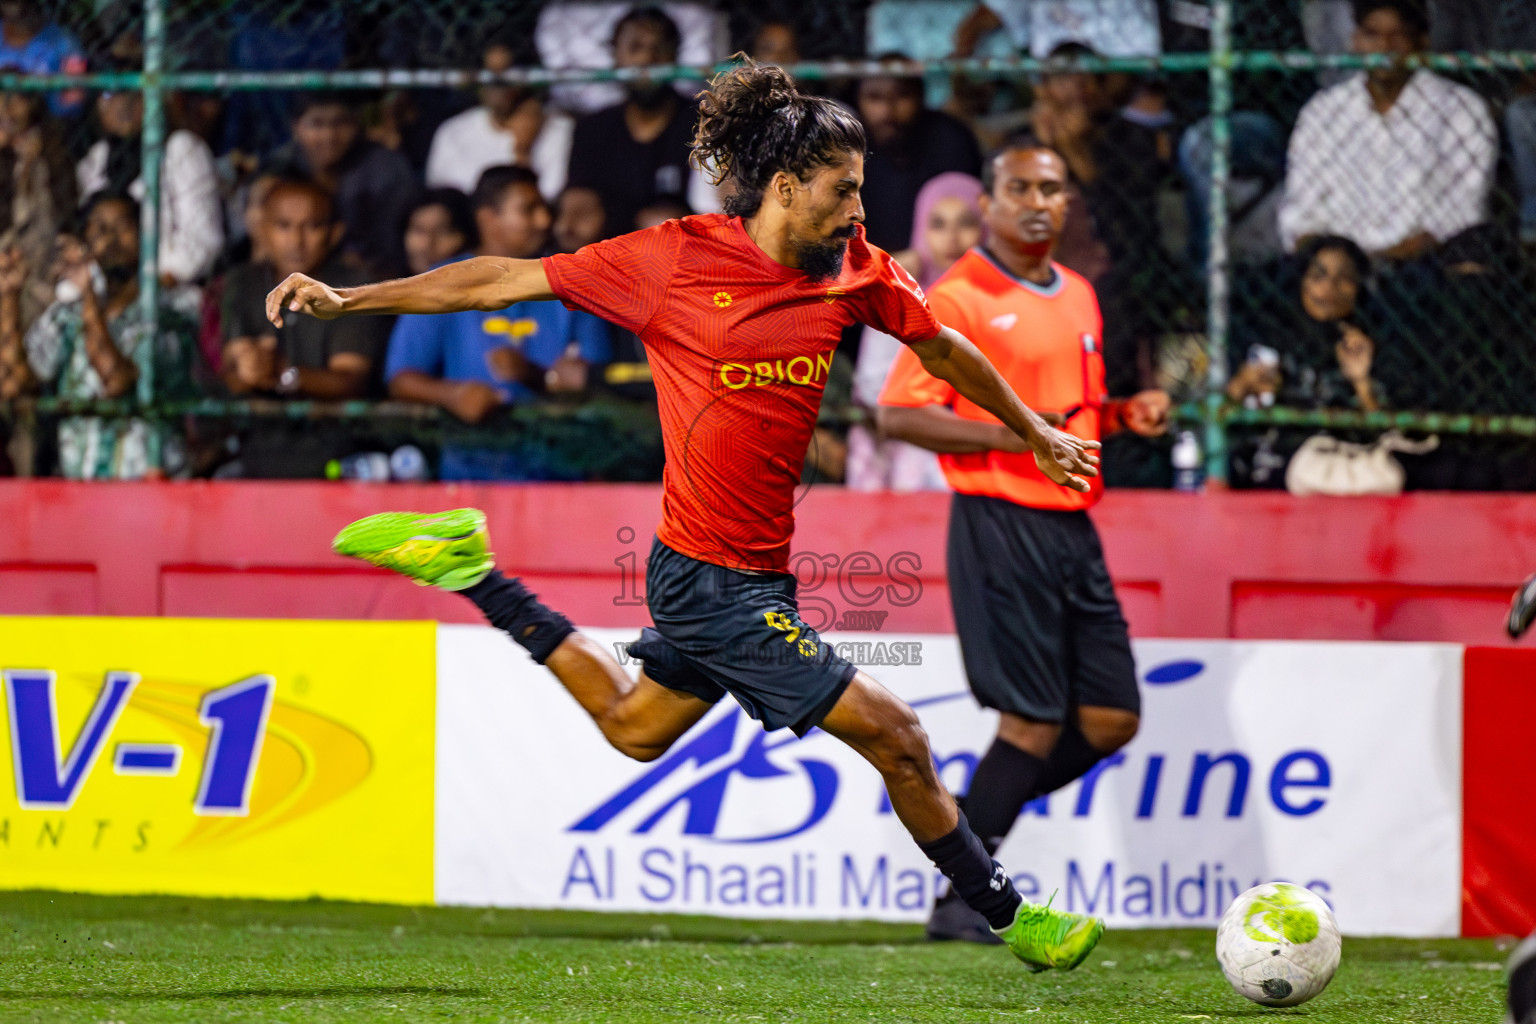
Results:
472 363
31 44
468 346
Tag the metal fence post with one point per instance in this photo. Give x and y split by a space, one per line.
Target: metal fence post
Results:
1218 266
149 214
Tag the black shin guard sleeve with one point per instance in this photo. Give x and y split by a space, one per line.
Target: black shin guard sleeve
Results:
1005 779
516 611
1070 759
973 875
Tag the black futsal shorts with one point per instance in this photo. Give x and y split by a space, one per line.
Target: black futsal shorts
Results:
722 631
1041 630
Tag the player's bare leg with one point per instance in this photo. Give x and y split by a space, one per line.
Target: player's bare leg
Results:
448 550
640 718
885 730
1030 758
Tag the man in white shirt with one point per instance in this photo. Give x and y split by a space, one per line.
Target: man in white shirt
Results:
512 125
1398 160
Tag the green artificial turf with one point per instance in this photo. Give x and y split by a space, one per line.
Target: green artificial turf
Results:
98 959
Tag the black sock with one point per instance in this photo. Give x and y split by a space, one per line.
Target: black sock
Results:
978 879
1522 984
1004 781
514 609
1070 759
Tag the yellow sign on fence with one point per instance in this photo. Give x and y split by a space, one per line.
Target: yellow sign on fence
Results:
222 758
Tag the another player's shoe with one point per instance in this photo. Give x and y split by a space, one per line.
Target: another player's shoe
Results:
1044 938
1522 609
436 549
953 921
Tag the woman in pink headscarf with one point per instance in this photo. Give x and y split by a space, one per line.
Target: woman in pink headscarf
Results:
946 222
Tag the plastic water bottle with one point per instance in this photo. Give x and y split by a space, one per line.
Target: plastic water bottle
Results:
407 463
372 466
1188 465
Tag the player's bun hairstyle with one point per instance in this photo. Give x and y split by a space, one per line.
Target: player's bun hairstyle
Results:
753 123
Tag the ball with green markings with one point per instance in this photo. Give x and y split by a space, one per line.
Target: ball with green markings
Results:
1278 944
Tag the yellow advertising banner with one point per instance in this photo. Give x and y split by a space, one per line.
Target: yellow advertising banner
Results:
282 759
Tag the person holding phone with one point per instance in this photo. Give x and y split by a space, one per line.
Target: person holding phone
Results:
1315 353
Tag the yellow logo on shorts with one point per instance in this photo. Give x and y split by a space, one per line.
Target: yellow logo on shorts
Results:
722 299
778 620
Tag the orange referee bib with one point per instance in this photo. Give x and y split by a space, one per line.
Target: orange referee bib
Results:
1047 342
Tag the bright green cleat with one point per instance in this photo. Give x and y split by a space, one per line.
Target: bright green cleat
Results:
1044 938
436 549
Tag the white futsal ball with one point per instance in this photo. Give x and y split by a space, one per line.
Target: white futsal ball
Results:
1278 944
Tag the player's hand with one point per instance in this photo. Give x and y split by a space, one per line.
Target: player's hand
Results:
473 400
1066 459
300 293
1146 412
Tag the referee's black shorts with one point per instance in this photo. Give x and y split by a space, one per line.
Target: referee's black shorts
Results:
1040 628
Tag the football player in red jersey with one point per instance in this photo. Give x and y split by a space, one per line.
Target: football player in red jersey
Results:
739 313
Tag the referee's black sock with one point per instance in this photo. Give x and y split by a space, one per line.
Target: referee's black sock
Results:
517 611
1005 780
978 879
1070 759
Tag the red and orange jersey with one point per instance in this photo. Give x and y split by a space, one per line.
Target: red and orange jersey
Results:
740 347
1047 342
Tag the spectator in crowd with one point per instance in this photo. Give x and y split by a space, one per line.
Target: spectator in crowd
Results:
306 358
909 144
440 226
1520 125
579 34
262 37
633 152
297 231
579 219
660 210
1514 29
94 343
1263 102
1311 350
33 45
775 42
1118 159
1119 163
1474 26
191 215
1115 28
512 125
1397 159
473 363
37 194
945 225
373 186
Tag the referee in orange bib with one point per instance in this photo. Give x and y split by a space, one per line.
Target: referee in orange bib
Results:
1041 631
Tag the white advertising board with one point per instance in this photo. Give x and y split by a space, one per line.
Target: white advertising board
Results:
1336 765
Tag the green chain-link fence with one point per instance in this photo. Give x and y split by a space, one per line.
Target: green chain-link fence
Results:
1205 184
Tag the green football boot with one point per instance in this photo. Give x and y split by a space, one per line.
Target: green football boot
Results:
1044 938
436 549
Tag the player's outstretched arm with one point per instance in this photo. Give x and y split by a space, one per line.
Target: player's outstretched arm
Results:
951 357
484 282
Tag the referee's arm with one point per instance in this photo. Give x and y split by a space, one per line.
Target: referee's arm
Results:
950 357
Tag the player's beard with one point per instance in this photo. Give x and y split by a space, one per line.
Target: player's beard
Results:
822 260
